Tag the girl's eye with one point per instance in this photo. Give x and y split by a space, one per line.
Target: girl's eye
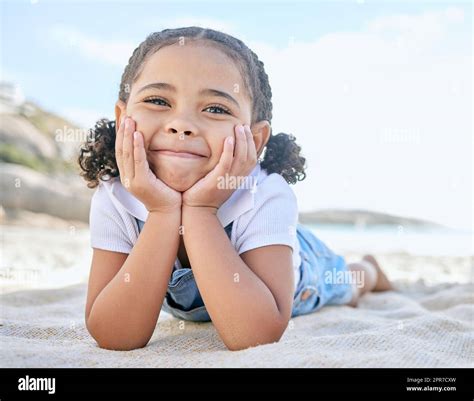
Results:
222 110
156 100
216 109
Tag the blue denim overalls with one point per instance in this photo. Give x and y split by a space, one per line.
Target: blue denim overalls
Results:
313 290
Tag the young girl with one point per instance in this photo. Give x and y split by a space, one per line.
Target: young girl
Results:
188 217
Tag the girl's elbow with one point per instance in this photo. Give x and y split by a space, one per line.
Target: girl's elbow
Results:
269 337
242 345
111 346
114 343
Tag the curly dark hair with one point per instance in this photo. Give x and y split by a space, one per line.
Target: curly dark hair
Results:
281 153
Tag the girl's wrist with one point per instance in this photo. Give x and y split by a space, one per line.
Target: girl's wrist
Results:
199 209
175 209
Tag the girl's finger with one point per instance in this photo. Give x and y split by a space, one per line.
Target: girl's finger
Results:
128 164
240 156
139 155
251 149
119 145
227 156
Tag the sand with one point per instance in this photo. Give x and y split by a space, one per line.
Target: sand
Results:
427 322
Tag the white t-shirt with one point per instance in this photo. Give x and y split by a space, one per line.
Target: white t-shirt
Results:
264 211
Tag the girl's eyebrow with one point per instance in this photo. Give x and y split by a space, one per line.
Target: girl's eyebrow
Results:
171 88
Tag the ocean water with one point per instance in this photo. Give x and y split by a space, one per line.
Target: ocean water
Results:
52 258
392 239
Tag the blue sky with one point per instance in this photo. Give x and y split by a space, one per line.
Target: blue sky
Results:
59 78
385 87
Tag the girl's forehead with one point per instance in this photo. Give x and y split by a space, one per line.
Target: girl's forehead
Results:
205 50
192 64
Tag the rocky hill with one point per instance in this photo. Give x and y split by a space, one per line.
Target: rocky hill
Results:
39 172
361 218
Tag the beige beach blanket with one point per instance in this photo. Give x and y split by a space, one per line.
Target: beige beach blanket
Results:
419 326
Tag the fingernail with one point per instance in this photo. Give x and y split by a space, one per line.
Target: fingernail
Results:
135 135
241 129
230 140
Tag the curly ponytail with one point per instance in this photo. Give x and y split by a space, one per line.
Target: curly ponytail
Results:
282 156
97 154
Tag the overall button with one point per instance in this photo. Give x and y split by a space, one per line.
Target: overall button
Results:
306 294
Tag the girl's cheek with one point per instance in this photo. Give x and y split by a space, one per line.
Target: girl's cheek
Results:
140 118
146 123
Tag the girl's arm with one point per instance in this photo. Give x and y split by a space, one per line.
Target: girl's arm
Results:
124 300
248 298
123 313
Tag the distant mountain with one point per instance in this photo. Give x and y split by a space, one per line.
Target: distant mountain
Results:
361 218
38 139
38 153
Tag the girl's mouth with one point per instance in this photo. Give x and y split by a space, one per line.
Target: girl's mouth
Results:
183 155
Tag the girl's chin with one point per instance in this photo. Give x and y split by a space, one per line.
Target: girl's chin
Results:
177 182
182 187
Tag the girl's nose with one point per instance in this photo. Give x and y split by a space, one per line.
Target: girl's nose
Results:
175 131
181 124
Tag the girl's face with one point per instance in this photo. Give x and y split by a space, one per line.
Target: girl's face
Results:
189 98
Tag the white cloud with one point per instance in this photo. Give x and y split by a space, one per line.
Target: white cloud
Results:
84 118
415 30
115 52
383 116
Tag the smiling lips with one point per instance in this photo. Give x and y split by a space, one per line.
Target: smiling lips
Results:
184 155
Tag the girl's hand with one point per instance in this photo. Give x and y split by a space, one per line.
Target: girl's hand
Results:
214 189
136 175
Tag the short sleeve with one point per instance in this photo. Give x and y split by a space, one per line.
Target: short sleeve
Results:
272 220
107 228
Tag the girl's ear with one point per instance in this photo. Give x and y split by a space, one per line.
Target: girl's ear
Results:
261 134
120 110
